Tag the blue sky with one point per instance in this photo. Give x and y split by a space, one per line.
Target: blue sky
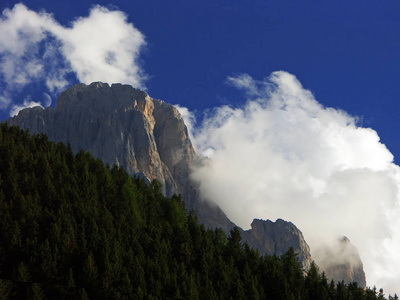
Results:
345 52
273 128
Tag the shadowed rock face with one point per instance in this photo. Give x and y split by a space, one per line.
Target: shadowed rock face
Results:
124 126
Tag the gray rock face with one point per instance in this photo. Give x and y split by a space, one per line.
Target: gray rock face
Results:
124 126
276 238
120 125
341 261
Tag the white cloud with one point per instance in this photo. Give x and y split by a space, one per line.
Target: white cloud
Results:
284 155
21 32
104 47
35 48
244 81
26 104
188 117
5 100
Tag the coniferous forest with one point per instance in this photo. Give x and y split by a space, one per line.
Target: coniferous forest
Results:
73 228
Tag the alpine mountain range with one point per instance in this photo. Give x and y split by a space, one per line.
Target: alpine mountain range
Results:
125 126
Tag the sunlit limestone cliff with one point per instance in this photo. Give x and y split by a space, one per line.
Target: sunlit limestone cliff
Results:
125 126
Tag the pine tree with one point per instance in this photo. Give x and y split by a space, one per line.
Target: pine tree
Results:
234 246
22 274
90 269
36 292
6 288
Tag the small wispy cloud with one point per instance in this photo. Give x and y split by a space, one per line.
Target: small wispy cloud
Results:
244 82
36 49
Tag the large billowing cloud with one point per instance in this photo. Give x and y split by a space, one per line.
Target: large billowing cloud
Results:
284 155
36 49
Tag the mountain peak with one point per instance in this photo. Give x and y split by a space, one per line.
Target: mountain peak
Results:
121 125
125 126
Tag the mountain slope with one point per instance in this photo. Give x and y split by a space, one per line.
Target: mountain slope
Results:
125 126
71 228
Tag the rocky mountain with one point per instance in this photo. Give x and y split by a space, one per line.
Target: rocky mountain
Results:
274 237
125 126
341 261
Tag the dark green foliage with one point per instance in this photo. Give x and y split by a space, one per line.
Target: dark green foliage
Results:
71 228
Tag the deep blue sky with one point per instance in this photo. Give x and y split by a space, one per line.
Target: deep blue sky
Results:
345 52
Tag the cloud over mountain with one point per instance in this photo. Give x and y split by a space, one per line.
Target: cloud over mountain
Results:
36 49
284 155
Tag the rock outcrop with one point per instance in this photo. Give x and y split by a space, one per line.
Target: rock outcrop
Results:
276 238
341 261
124 126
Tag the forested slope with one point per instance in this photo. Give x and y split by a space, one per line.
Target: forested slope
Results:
72 228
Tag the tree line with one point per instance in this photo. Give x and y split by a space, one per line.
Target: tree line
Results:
74 228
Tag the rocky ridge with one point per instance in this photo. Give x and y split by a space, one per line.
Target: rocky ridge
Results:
148 137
